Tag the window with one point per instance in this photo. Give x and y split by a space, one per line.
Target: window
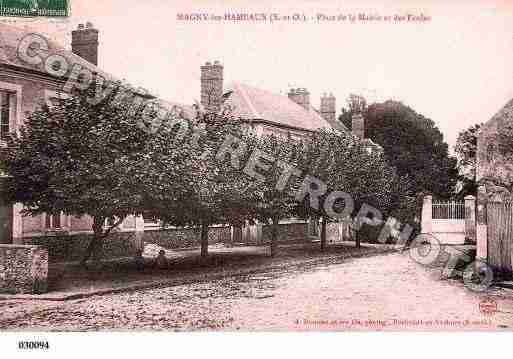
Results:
5 113
10 109
490 151
53 221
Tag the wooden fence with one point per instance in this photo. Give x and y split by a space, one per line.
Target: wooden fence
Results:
500 235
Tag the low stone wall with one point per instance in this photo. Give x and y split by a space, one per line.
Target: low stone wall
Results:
23 269
286 231
186 237
71 248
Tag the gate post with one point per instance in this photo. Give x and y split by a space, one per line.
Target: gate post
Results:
236 234
470 218
481 227
252 233
313 227
427 215
139 232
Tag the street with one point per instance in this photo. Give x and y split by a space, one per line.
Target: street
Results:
384 292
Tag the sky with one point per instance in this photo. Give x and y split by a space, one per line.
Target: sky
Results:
456 68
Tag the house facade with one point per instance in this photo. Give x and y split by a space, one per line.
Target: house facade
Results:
26 85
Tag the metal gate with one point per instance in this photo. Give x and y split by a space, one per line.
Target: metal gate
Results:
448 222
500 235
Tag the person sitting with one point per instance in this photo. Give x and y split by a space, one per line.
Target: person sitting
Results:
139 260
161 260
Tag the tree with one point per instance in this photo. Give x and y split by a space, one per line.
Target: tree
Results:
187 186
371 181
412 144
276 200
77 157
326 155
466 148
343 163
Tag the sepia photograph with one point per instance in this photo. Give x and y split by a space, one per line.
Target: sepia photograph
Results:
182 167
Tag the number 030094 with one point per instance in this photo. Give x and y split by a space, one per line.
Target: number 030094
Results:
35 345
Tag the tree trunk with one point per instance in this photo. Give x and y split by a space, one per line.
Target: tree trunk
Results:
95 245
204 240
274 237
356 239
323 233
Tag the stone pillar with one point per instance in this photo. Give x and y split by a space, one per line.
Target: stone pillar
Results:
313 228
481 227
470 219
251 233
340 231
237 234
17 224
255 233
427 215
139 232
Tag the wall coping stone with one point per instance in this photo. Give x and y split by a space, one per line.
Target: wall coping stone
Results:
21 246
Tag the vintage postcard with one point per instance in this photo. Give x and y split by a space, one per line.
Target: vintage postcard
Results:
232 166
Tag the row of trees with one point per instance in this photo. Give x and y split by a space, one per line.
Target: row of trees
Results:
109 160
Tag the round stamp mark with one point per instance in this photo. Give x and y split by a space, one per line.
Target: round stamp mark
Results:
488 306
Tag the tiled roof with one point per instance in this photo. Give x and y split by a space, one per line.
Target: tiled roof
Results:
500 119
247 102
10 38
185 111
251 103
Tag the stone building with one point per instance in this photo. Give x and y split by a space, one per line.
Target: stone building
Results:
493 169
494 175
24 85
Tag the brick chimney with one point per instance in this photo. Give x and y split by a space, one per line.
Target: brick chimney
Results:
358 125
301 96
212 86
328 107
84 42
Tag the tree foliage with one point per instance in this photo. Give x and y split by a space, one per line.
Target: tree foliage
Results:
77 157
412 144
110 159
275 194
344 163
466 149
187 185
